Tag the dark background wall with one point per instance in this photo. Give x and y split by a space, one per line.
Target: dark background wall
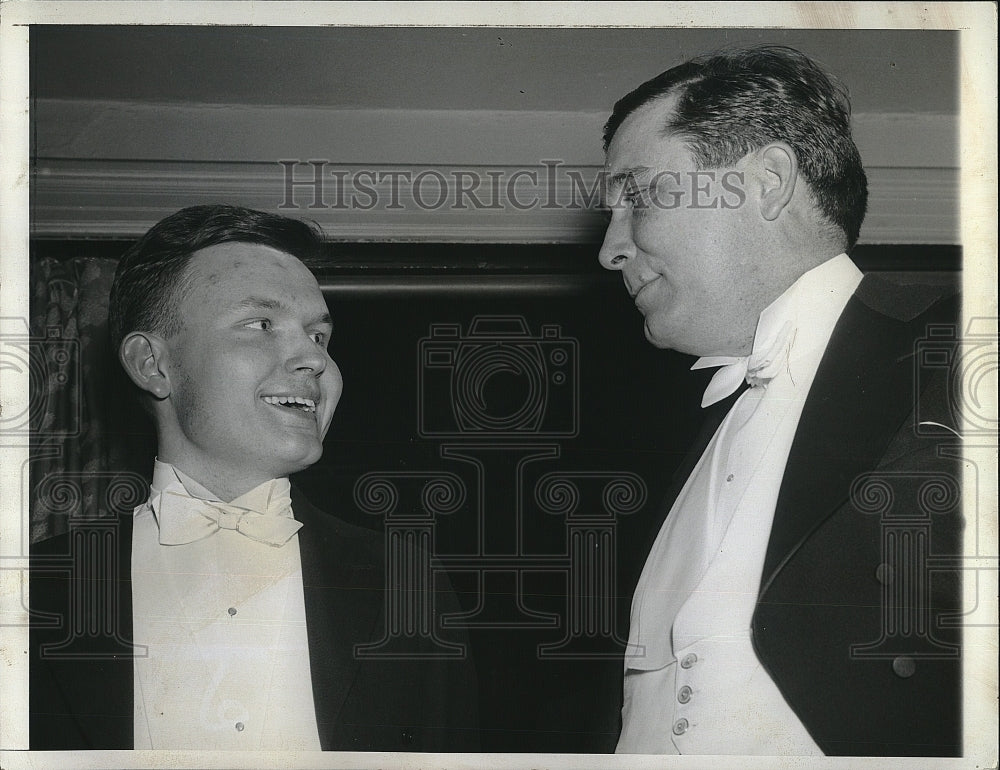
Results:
624 411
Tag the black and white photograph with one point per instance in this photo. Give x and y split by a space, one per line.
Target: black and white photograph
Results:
535 385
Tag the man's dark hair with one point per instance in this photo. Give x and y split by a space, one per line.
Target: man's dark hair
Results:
153 276
734 102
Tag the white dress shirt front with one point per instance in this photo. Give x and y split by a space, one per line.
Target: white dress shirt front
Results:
696 686
223 618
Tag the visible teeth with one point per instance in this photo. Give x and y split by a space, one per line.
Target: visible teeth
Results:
307 404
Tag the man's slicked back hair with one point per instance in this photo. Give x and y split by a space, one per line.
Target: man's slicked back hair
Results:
734 102
153 277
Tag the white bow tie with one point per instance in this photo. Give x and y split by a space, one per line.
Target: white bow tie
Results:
184 519
759 368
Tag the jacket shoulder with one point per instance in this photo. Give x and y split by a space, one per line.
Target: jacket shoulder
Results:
315 517
909 302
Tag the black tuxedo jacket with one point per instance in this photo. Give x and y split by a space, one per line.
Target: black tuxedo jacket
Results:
856 617
81 669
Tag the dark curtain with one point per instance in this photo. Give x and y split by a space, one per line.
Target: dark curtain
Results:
86 435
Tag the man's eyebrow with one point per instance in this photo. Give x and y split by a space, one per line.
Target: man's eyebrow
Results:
263 303
323 319
621 177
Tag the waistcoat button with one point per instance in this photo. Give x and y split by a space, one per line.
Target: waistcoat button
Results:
883 573
904 667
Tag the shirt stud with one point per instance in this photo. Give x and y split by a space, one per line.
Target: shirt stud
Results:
231 611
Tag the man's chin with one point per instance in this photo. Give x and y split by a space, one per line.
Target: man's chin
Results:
297 459
655 339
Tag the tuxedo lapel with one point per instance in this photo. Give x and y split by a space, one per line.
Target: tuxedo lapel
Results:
862 393
343 581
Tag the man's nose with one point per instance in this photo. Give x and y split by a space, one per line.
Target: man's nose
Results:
618 247
307 355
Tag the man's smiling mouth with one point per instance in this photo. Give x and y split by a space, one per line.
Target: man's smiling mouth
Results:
292 402
638 295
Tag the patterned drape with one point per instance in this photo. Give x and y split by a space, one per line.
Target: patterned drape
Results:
90 445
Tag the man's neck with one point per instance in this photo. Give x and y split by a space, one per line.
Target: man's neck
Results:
225 486
794 268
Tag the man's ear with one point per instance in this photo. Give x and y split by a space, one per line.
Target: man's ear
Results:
143 356
781 169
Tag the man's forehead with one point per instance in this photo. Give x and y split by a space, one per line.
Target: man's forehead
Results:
235 271
642 141
237 253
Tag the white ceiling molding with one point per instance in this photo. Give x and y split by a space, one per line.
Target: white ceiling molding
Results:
112 169
122 199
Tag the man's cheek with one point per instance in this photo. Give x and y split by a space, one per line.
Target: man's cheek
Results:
328 411
648 231
668 192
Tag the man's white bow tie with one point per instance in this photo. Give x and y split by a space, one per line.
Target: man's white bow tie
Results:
759 368
184 519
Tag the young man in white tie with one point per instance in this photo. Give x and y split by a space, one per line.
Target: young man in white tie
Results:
235 606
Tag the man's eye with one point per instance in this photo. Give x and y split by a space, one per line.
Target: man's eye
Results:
636 197
318 337
629 195
263 324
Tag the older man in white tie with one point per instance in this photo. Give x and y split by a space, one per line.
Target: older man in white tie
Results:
763 620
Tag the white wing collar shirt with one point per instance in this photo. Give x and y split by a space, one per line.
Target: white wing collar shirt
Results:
693 684
217 599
